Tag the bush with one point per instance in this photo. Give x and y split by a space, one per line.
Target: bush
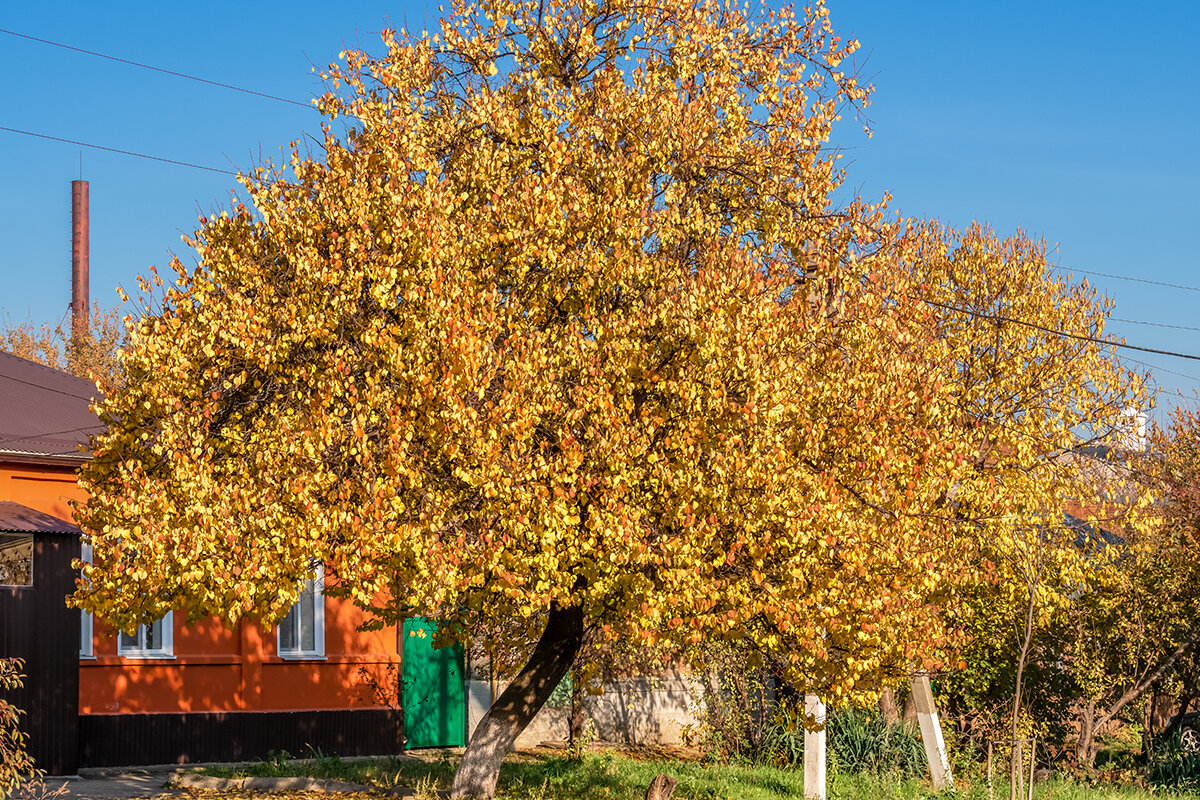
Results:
1173 769
16 765
859 741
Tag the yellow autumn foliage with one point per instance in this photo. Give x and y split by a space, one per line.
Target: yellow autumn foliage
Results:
568 316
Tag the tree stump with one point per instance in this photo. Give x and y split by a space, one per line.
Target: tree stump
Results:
661 788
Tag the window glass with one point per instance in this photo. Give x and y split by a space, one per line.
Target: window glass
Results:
16 559
85 619
302 631
153 640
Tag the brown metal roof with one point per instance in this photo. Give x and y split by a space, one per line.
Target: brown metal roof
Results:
22 519
43 411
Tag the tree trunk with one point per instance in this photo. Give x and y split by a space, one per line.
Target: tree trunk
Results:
910 713
1148 722
887 706
1185 700
1085 749
577 726
496 733
1018 683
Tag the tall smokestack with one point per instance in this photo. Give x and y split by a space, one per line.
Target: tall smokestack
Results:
80 307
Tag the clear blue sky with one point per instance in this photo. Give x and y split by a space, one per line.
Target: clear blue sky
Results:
1074 121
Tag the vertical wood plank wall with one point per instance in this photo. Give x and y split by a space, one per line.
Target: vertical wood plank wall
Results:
37 626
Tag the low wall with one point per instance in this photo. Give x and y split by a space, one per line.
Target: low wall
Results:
631 711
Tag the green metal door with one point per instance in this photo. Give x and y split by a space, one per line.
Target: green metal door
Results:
435 703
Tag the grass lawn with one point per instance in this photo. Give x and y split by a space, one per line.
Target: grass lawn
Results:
611 776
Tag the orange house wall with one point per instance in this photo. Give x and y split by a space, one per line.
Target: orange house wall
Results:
215 668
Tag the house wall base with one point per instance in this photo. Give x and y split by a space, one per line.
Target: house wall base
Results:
125 740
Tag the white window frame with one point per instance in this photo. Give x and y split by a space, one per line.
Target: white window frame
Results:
167 650
318 650
85 618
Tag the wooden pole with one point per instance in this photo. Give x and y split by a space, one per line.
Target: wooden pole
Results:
990 793
814 750
1032 759
931 733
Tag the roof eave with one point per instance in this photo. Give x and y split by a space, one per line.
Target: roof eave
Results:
47 459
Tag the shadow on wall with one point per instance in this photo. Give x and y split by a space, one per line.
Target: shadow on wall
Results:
215 668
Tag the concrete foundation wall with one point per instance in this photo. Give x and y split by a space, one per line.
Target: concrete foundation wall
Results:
632 711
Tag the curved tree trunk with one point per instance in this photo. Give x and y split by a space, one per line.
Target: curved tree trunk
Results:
496 733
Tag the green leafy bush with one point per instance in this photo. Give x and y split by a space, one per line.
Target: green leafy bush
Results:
860 741
1173 769
16 765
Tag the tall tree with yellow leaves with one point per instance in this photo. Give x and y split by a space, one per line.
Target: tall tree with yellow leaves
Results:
566 330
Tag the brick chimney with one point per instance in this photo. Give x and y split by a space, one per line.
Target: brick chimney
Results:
80 305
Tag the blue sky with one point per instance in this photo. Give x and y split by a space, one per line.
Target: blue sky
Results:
1073 121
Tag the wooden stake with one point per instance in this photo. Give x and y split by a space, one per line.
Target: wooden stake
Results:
814 750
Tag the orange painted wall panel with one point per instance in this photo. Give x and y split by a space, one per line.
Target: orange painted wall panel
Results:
218 669
48 489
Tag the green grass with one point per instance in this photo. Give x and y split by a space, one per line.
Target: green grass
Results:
612 776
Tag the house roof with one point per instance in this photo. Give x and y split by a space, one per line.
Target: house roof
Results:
44 412
1088 537
17 518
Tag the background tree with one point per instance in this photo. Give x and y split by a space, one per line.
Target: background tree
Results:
1140 628
94 357
566 331
1037 394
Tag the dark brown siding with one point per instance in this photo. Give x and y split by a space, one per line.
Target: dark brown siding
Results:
36 625
122 740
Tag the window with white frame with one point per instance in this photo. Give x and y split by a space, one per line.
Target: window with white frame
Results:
85 619
148 641
302 631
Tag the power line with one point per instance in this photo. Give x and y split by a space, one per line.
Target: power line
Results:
115 150
1157 368
1056 332
97 426
1155 324
1133 280
156 69
45 388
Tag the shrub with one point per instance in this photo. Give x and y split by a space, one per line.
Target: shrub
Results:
1172 768
859 741
16 765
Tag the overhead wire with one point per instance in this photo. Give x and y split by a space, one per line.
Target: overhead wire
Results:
1127 278
157 69
1154 324
116 150
232 87
1056 332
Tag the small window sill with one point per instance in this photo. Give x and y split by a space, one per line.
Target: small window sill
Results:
140 656
302 656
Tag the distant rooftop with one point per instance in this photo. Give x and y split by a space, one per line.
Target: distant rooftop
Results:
43 412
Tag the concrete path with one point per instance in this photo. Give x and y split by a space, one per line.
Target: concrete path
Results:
115 786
